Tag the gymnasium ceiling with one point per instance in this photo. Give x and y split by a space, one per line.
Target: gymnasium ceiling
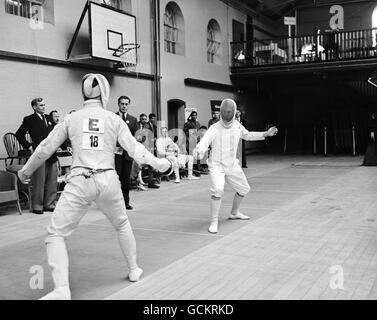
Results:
275 9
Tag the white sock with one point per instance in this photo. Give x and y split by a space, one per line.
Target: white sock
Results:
57 257
215 209
176 172
236 203
128 244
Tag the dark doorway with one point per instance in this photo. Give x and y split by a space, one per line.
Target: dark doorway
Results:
176 114
238 31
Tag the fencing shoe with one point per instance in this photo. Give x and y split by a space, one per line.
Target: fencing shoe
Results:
238 215
61 293
135 274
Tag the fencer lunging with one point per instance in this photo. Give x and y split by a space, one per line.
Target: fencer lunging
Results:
93 132
223 165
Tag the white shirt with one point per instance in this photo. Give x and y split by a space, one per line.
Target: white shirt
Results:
165 146
224 143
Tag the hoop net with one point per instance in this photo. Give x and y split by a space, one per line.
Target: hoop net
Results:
126 51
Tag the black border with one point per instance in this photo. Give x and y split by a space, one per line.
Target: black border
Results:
90 27
112 31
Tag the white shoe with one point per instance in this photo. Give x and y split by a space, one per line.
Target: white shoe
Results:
61 293
177 181
140 187
213 227
238 215
135 274
193 178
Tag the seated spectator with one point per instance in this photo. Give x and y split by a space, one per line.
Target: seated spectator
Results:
168 149
144 134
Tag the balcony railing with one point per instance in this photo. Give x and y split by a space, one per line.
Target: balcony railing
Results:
328 46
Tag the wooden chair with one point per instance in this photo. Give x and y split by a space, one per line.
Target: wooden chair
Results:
23 189
9 189
14 149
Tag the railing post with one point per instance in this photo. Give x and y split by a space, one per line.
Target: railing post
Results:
353 141
325 140
314 140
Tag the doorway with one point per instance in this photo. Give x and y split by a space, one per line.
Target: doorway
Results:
176 114
238 31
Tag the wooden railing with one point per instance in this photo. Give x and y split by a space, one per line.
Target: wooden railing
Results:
327 46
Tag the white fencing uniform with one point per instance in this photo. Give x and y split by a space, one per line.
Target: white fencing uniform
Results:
222 163
94 133
223 137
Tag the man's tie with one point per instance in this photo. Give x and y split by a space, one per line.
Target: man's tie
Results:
123 117
44 120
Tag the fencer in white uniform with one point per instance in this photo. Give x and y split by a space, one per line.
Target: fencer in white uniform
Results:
223 165
166 148
93 132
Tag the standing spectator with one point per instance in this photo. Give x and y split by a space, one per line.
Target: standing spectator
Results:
241 119
190 129
215 118
145 136
54 117
123 162
44 180
153 125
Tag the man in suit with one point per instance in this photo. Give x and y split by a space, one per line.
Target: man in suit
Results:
123 162
44 181
152 124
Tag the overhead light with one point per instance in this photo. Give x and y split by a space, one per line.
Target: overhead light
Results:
14 3
240 56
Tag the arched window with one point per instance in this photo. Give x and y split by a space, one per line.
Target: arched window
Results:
374 25
213 41
174 29
171 31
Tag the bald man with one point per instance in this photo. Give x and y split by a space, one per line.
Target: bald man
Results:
224 137
94 133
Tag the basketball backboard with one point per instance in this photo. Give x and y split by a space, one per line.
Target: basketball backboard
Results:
112 35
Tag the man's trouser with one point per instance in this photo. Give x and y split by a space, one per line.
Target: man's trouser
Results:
44 186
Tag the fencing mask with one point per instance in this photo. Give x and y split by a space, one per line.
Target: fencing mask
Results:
228 110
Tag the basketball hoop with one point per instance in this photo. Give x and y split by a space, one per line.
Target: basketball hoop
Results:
124 48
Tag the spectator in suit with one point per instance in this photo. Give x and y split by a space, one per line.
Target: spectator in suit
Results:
54 117
144 135
190 129
215 118
123 162
44 180
153 124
